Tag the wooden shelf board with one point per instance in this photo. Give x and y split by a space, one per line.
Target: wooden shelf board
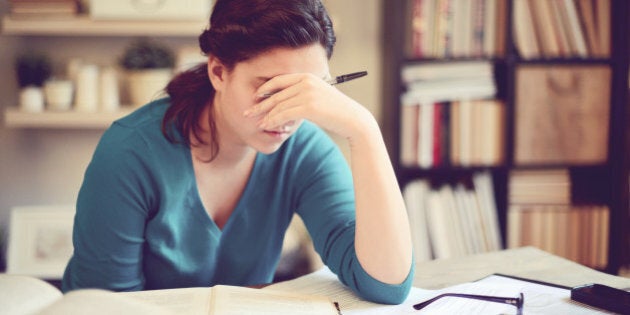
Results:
15 118
84 26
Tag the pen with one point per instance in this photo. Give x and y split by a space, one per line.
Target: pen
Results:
347 77
337 304
339 79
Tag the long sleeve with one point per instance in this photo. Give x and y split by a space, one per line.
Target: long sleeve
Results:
111 214
326 205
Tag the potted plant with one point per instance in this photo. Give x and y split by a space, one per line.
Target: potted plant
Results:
149 68
32 71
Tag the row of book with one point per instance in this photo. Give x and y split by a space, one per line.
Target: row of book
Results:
540 186
578 233
561 114
449 115
456 28
42 8
452 220
458 133
562 28
541 214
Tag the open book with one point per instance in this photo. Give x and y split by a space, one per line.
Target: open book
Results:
310 294
28 295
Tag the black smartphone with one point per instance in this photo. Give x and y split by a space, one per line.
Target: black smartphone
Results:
602 296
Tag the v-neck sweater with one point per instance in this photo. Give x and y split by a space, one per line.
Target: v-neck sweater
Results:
140 223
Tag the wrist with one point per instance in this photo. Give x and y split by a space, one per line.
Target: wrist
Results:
365 131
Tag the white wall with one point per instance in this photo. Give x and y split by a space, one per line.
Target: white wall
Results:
358 23
45 166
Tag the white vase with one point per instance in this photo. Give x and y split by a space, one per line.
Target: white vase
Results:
108 90
58 94
32 99
86 97
147 85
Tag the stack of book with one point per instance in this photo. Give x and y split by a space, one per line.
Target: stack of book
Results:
541 214
562 28
452 221
43 8
552 186
449 115
456 28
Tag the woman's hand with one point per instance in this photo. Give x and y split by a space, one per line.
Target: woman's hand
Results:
305 96
382 238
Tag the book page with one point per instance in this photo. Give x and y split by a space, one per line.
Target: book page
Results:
100 302
191 301
324 282
231 300
25 295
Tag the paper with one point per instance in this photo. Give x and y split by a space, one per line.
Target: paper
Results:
539 299
543 299
192 301
233 300
325 283
25 295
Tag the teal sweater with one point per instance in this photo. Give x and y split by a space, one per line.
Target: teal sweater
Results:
140 223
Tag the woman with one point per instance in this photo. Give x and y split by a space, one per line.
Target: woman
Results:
197 189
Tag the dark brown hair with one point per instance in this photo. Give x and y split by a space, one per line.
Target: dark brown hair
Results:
240 30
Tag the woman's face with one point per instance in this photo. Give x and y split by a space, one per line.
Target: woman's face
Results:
236 92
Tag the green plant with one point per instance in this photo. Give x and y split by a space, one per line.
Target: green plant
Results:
147 54
32 69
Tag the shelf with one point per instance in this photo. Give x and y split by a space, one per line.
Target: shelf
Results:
84 26
14 118
597 182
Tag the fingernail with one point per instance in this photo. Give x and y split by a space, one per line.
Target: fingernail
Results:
263 96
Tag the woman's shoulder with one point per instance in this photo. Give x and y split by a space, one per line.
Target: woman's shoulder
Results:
148 114
137 129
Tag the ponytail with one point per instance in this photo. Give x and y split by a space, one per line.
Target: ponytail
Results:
190 92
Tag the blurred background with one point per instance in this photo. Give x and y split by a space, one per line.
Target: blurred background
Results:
506 120
42 164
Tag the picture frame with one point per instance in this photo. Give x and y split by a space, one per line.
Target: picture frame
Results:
40 241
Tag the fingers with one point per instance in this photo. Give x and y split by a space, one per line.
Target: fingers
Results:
267 103
298 94
284 119
283 110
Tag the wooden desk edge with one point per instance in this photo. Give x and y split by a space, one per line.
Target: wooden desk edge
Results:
525 262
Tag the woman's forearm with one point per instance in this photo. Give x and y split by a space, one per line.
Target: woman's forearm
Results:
383 240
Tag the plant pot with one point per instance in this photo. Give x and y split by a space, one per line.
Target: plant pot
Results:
32 99
147 85
58 94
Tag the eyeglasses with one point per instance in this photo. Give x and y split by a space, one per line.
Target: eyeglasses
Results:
516 301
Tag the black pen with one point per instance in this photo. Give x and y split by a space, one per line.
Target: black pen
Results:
338 308
346 77
339 79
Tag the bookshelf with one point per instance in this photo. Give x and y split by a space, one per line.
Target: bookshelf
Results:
80 30
15 118
600 179
85 26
